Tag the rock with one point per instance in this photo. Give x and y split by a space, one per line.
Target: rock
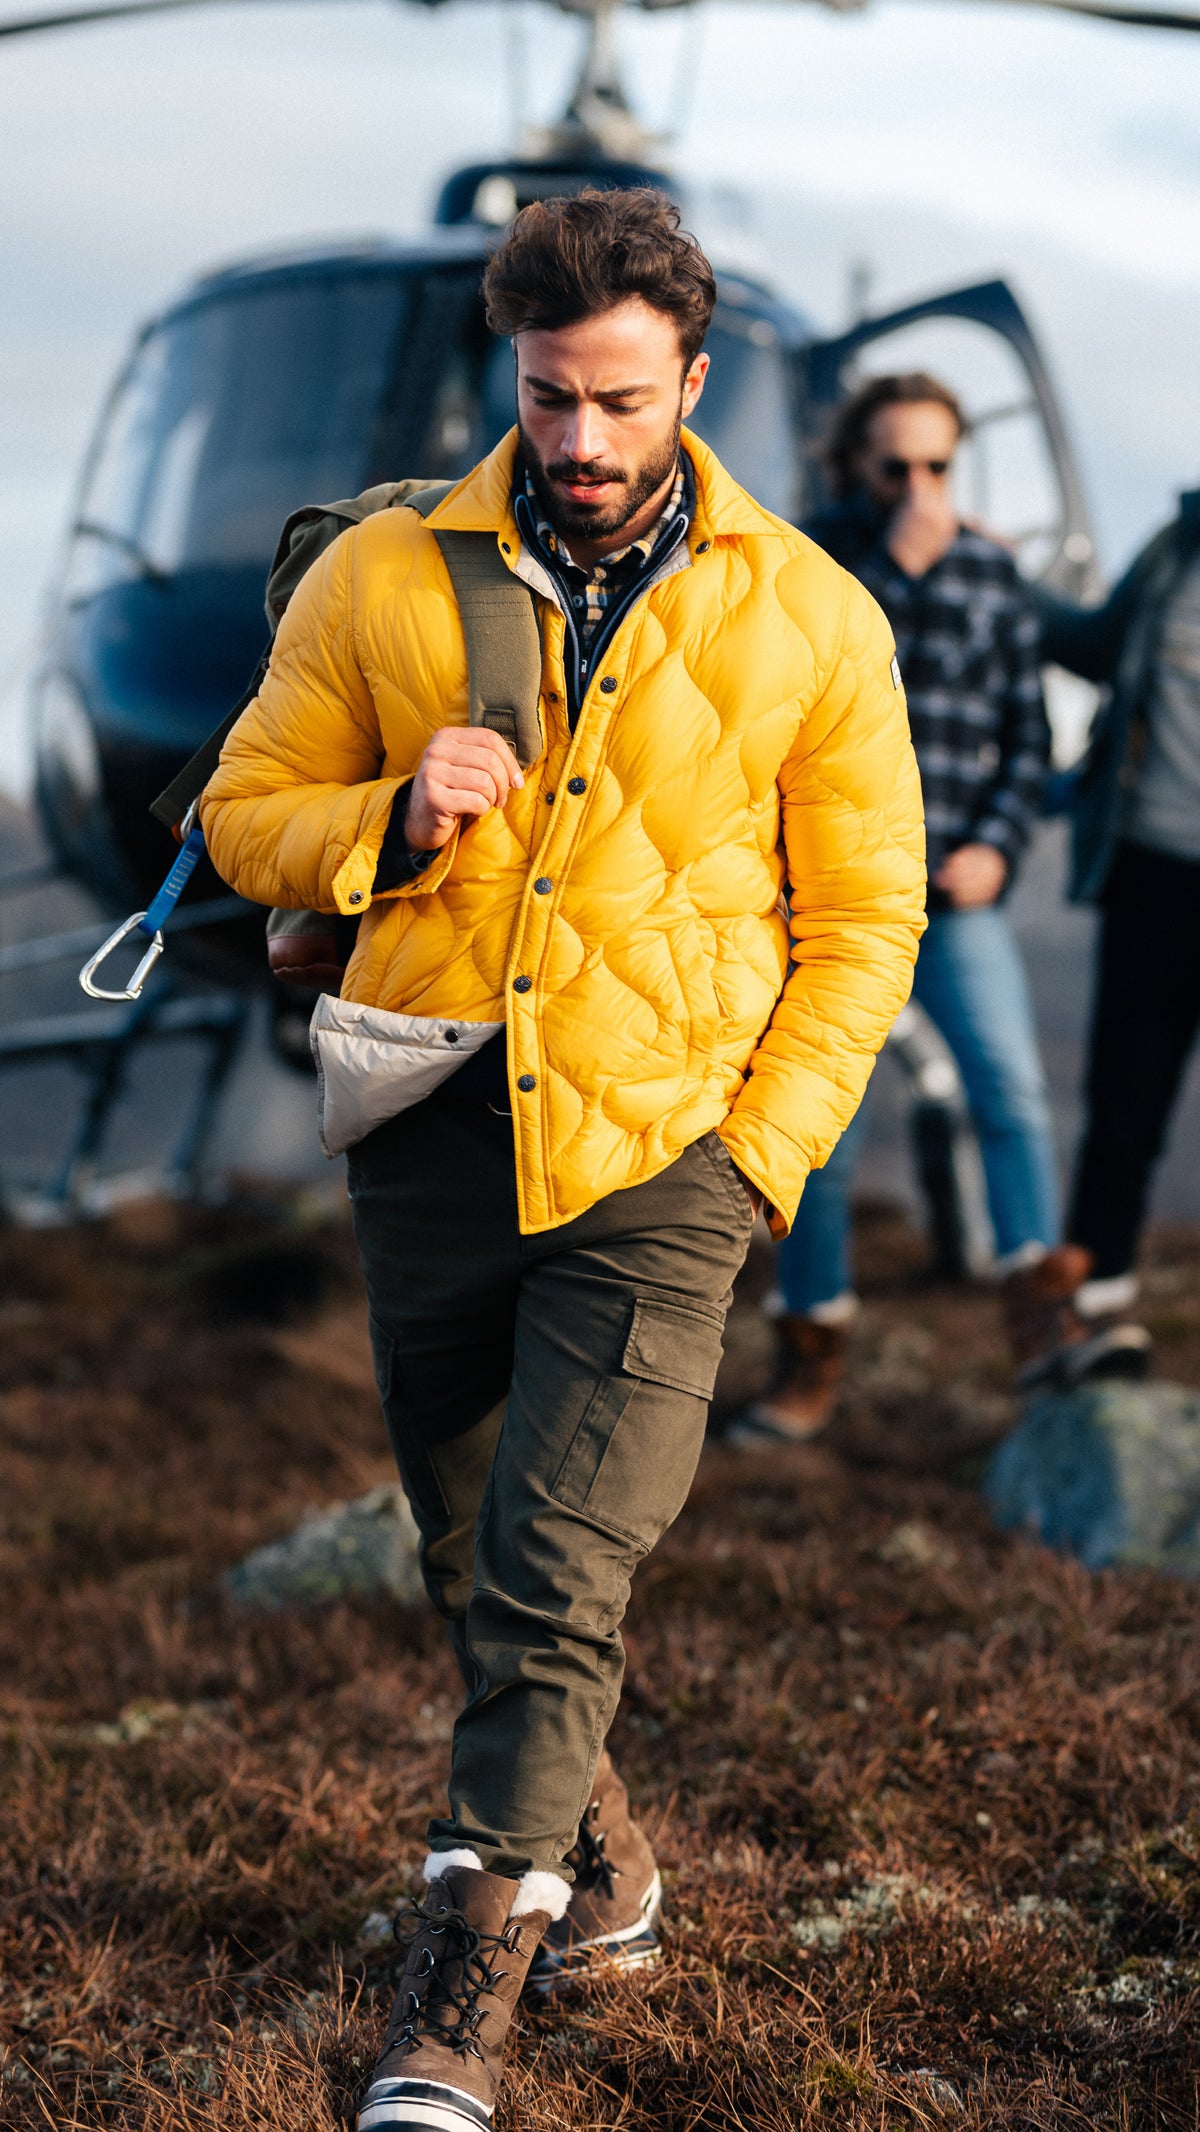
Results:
152 1718
917 1547
376 1930
363 1549
1109 1472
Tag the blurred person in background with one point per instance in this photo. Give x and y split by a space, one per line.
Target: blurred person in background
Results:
968 645
1136 853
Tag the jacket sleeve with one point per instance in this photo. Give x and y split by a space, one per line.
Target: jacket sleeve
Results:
1087 640
854 837
1008 808
296 811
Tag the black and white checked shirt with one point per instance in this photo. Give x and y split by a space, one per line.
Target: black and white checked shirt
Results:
967 641
595 601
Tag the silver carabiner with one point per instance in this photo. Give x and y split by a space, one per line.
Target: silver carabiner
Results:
134 987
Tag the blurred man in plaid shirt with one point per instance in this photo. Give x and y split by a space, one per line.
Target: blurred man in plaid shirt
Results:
967 640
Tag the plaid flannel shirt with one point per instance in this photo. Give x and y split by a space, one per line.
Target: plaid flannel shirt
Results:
595 600
967 638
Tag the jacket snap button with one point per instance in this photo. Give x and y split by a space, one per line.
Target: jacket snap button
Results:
355 897
543 885
703 546
525 1083
549 799
522 984
577 785
452 1036
608 684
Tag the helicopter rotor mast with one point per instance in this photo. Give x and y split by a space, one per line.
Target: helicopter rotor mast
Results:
599 121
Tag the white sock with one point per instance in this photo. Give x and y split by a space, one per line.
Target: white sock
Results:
1017 1261
1096 1298
837 1311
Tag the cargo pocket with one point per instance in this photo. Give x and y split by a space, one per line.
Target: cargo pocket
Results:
630 1462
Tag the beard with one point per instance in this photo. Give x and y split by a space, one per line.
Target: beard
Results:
600 521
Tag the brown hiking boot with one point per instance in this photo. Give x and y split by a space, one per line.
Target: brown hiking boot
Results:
612 1917
800 1401
472 1944
1051 1339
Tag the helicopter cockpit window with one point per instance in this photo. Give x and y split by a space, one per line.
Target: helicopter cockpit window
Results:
1005 476
236 412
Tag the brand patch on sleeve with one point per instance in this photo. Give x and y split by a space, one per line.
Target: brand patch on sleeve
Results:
895 671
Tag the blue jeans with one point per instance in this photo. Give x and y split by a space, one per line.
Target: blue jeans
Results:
972 984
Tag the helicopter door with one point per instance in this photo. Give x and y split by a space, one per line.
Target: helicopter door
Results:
1016 473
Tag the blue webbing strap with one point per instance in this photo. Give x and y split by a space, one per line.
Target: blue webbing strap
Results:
190 851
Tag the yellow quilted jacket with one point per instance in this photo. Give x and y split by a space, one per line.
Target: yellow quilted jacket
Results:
755 741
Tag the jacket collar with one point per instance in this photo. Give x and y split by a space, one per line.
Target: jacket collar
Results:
482 501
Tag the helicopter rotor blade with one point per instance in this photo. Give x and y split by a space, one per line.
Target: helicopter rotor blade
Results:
1149 18
1143 18
74 18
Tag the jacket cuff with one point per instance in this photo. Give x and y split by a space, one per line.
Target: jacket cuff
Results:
397 866
354 886
770 1160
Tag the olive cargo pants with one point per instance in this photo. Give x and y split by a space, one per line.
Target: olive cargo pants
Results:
546 1399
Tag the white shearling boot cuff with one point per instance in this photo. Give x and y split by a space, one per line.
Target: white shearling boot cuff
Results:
439 1862
541 1891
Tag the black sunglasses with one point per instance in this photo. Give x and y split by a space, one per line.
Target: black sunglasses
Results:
900 469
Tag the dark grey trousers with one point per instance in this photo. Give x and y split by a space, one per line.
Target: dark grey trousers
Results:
546 1399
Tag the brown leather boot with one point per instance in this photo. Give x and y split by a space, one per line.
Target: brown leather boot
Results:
616 1900
1051 1339
475 1937
800 1401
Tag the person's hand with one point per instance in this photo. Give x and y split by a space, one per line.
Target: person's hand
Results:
972 876
464 772
924 526
753 1194
309 960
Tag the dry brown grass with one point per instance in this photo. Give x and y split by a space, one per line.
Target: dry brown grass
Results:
926 1798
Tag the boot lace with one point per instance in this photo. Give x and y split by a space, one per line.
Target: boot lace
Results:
596 1869
421 2013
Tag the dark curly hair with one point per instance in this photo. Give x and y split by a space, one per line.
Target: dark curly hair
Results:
848 430
570 257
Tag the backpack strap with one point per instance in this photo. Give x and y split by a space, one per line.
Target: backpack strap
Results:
504 644
315 527
499 620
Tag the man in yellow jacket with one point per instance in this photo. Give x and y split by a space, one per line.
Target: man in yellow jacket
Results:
577 1045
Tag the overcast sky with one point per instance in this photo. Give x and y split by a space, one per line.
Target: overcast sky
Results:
938 143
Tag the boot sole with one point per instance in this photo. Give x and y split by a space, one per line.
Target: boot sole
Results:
749 1432
420 2106
1126 1352
635 1947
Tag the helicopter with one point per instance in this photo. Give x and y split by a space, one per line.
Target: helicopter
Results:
283 380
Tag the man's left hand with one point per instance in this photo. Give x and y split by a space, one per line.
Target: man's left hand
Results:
753 1194
972 876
